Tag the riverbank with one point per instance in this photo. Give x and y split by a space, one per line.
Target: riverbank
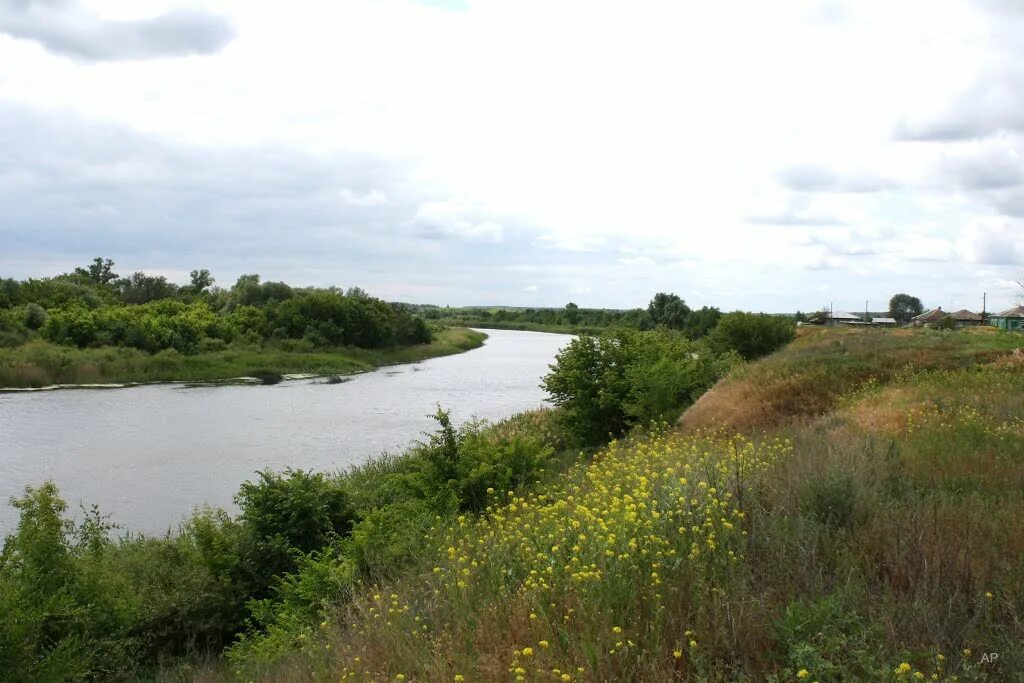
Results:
41 364
873 535
536 327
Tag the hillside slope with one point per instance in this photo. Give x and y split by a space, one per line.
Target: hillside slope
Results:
846 509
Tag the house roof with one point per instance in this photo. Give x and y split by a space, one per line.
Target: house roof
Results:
933 316
1015 312
965 315
843 315
883 321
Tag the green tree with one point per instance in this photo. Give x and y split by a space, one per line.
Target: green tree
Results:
140 288
572 313
100 271
752 335
588 384
699 323
9 292
903 307
200 281
668 310
35 316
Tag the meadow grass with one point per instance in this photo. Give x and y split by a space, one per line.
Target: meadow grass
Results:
861 521
41 363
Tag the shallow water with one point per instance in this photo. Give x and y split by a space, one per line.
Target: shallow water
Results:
150 454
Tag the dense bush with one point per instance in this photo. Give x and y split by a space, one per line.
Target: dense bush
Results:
287 513
752 335
604 385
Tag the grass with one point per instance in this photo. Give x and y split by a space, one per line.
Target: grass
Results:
822 366
41 363
855 517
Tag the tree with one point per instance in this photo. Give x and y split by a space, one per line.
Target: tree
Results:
903 307
752 335
35 316
100 271
572 313
9 292
588 384
699 323
668 310
141 288
200 280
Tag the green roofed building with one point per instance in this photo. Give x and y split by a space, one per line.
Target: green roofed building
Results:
1012 319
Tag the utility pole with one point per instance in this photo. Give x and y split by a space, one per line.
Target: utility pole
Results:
984 306
867 319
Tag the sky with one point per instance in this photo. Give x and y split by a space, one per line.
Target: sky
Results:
748 155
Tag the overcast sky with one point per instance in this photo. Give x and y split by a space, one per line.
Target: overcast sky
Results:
758 155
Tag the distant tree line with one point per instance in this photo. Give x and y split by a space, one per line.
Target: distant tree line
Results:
94 306
667 311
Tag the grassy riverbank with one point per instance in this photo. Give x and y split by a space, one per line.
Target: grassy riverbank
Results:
861 525
40 363
844 509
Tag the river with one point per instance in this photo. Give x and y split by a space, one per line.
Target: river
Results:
148 455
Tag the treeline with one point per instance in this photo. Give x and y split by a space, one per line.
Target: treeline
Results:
78 603
665 310
94 306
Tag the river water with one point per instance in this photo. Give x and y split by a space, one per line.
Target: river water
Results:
148 455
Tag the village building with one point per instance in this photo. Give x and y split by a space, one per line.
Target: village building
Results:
835 318
965 318
962 318
1012 320
932 317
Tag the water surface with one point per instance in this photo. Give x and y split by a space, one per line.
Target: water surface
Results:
150 454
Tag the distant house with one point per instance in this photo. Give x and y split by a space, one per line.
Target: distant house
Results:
932 317
963 318
883 322
1012 319
836 318
844 318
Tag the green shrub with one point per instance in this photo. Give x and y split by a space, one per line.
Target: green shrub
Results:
35 316
388 537
752 335
301 599
212 345
825 637
605 385
289 512
588 384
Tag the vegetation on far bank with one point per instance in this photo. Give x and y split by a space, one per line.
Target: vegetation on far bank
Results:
92 325
40 363
664 310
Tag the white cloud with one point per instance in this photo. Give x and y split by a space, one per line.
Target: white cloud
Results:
573 132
